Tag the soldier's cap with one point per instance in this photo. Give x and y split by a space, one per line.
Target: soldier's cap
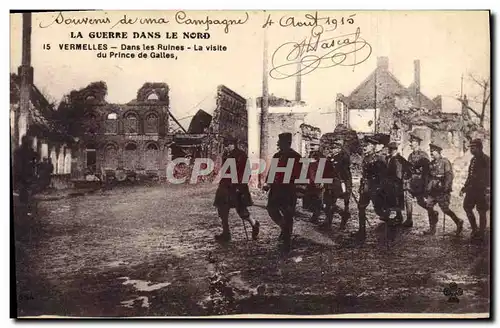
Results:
383 138
414 136
315 154
392 145
285 137
476 142
230 140
434 146
371 140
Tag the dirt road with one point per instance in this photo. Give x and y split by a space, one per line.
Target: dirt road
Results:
141 251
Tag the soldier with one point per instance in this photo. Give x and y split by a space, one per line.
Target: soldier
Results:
234 195
373 174
282 197
25 163
416 182
439 189
314 190
397 167
337 168
477 188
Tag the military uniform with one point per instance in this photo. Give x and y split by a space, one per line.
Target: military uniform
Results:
397 168
439 190
234 195
416 180
338 169
374 170
477 189
282 196
314 192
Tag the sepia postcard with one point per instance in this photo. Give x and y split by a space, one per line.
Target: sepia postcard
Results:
250 164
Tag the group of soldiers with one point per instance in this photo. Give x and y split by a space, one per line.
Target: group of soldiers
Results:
388 181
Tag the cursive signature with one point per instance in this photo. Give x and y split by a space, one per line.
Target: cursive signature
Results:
319 50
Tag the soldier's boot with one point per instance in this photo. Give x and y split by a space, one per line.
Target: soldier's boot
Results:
472 220
433 219
255 230
432 230
360 235
343 222
315 216
328 219
458 222
225 236
408 223
482 224
287 237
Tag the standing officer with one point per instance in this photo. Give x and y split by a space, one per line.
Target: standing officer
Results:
234 195
338 168
397 168
282 194
417 179
370 190
439 189
477 188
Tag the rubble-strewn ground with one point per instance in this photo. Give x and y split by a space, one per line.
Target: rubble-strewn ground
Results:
139 251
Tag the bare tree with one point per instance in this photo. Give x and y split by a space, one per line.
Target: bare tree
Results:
484 84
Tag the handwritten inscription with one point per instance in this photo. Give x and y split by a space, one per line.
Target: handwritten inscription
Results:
319 50
180 18
310 20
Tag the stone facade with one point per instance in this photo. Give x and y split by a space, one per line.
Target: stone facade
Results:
132 137
310 139
229 119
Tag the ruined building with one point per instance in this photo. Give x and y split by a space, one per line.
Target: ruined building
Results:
224 115
370 106
132 138
47 140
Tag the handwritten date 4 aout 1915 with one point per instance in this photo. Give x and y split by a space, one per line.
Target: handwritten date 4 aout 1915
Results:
311 20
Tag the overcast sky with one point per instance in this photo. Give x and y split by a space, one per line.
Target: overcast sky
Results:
447 44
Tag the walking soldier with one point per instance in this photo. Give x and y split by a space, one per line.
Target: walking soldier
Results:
417 179
370 190
439 189
338 169
234 195
282 196
477 188
397 168
313 190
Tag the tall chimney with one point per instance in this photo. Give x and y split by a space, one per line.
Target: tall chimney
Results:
298 82
383 62
416 73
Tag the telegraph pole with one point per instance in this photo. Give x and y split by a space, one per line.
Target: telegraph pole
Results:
26 73
462 87
264 108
